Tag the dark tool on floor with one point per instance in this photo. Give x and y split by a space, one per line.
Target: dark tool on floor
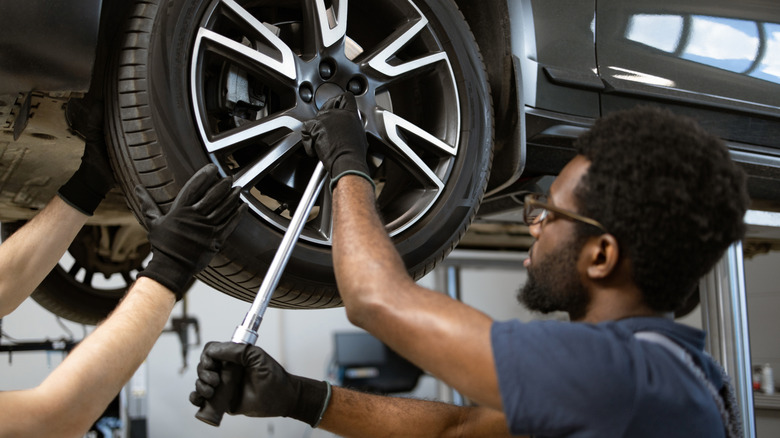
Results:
183 327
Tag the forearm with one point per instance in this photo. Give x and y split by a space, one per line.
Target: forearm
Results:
28 255
356 414
443 336
76 393
364 258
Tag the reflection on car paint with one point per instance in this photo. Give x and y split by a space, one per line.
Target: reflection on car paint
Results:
724 43
635 76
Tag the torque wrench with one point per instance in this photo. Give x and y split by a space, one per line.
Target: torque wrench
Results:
246 333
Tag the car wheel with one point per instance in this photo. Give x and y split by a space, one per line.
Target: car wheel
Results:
231 81
72 290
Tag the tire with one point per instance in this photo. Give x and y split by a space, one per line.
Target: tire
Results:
188 89
72 290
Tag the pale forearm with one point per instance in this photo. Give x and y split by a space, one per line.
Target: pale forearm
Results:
29 254
356 414
94 373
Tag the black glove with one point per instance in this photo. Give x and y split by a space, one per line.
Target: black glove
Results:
185 239
260 386
94 178
337 137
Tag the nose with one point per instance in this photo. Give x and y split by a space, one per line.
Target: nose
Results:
535 229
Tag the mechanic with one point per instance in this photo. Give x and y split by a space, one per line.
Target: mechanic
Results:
647 206
183 241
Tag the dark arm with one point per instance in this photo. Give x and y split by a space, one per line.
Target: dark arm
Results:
356 414
442 336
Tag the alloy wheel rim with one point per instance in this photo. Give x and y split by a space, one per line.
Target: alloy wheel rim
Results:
254 82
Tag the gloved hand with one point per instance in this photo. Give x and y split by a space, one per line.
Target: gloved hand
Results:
337 137
185 239
260 386
87 187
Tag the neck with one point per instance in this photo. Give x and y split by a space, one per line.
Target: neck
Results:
612 304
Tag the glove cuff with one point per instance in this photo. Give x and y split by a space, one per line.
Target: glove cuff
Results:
313 399
81 195
336 178
168 273
324 405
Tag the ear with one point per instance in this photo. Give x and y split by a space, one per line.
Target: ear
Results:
602 254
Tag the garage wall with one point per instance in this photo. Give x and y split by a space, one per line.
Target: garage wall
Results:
762 283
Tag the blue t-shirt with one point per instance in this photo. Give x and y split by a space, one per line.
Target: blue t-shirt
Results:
561 379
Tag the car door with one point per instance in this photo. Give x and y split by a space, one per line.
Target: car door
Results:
716 60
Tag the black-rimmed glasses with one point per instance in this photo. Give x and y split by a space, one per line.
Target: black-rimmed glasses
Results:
536 209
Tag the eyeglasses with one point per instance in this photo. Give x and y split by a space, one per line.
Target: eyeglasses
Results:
536 209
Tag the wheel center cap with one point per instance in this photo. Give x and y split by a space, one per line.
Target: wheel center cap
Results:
325 92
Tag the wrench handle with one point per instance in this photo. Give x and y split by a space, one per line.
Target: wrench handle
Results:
214 408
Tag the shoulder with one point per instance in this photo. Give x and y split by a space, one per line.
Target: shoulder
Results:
551 348
600 375
551 334
546 368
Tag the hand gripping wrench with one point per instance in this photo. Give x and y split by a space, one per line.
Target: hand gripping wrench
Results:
246 333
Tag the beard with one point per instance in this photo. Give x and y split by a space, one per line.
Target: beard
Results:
554 285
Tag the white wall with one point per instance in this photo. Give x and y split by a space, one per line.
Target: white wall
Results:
762 285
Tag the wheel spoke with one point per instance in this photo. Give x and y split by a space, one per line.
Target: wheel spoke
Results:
276 56
324 221
245 55
280 64
394 126
264 126
255 172
393 44
332 22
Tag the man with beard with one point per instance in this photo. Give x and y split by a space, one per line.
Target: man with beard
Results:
647 206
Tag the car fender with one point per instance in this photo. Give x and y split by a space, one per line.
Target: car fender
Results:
52 43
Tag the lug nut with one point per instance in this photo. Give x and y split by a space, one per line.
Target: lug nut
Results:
326 70
306 93
355 86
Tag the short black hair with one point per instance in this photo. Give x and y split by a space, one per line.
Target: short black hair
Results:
669 193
